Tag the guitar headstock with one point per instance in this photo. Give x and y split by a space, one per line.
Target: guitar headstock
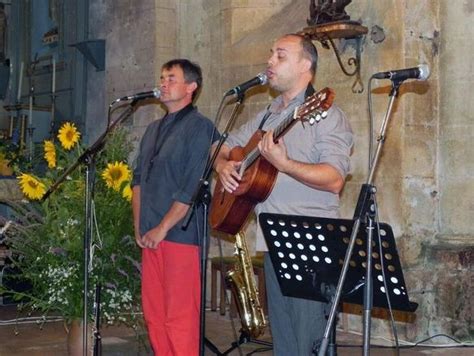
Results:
315 108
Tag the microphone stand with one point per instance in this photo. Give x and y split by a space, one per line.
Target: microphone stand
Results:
88 159
31 99
97 336
365 212
202 196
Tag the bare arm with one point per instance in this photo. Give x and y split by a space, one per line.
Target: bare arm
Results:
320 176
226 169
176 213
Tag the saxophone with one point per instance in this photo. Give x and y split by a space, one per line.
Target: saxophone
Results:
242 283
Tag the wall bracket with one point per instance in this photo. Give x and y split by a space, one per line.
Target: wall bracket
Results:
327 33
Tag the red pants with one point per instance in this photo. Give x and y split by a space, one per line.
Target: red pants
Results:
171 293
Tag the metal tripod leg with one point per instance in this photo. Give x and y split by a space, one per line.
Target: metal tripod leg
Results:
243 339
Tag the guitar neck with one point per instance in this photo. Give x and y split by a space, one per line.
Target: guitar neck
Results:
285 126
279 132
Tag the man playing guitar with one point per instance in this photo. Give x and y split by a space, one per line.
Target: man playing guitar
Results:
312 162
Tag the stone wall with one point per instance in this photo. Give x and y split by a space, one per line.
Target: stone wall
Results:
140 36
424 180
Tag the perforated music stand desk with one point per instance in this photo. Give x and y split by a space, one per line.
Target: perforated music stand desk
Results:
307 254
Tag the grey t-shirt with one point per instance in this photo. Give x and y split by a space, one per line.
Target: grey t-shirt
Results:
329 141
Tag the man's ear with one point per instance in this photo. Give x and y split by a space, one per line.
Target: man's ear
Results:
192 87
305 65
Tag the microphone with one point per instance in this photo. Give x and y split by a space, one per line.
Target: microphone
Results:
422 72
155 93
260 79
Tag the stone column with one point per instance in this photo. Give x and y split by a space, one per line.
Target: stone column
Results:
456 134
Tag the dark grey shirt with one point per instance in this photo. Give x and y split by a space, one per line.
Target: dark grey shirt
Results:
173 154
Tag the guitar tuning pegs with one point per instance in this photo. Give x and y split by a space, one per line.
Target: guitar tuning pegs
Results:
313 118
324 114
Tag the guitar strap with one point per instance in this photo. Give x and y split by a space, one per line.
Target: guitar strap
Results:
265 117
309 91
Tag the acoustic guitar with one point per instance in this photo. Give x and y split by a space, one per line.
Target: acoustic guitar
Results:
229 211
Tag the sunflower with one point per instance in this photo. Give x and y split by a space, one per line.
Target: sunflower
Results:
115 174
31 187
50 153
68 135
127 192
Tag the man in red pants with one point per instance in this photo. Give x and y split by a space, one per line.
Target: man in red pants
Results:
173 154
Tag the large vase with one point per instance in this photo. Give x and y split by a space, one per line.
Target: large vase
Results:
75 339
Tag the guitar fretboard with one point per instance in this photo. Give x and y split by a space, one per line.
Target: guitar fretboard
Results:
279 131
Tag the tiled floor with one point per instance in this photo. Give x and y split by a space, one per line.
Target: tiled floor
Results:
29 339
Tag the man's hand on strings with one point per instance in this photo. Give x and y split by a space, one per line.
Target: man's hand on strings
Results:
275 153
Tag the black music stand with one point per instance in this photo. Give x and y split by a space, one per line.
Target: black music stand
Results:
307 254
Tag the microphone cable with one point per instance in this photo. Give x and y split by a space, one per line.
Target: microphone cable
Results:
382 263
371 123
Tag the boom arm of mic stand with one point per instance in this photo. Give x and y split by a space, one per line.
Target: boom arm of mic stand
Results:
357 221
203 185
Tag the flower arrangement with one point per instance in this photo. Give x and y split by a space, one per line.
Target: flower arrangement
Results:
46 238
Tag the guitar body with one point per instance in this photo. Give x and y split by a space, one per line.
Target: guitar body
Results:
228 211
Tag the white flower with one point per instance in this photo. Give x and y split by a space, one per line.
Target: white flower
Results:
72 222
